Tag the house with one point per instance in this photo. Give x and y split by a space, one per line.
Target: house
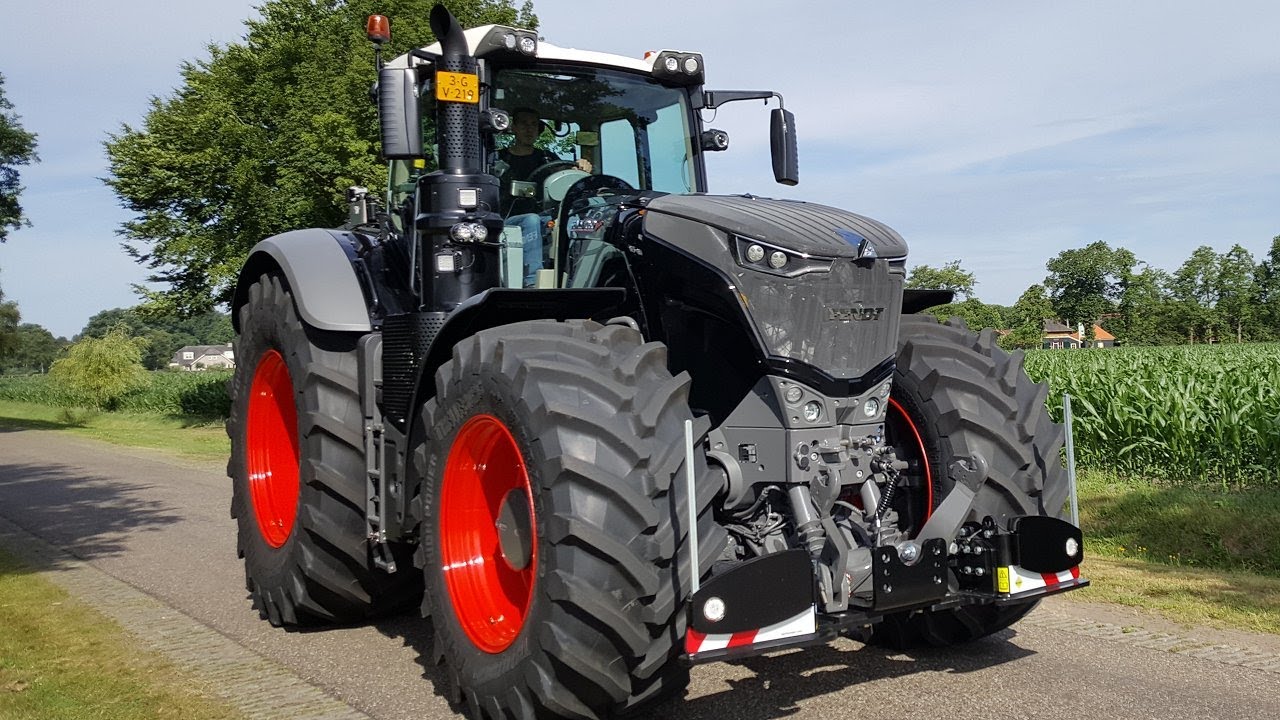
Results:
203 357
1057 335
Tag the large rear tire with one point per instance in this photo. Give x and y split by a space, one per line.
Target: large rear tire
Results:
298 472
955 394
553 540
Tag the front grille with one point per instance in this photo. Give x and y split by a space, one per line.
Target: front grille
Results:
844 322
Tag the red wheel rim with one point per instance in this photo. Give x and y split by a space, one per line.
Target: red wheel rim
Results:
916 443
490 594
271 449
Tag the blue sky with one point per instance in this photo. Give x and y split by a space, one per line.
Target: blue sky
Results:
997 133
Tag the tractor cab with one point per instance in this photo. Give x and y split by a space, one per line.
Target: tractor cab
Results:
606 125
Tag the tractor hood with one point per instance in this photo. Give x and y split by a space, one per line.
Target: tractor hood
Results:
805 228
826 311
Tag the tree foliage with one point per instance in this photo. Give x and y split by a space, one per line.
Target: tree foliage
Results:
263 136
948 277
1027 316
17 148
102 370
34 350
1085 283
162 334
9 317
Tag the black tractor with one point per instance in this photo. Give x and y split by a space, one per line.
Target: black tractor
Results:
603 425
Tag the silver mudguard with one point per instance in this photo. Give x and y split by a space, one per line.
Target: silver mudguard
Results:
318 267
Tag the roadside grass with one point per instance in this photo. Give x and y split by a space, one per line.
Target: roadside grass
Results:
61 659
192 438
1181 526
1191 596
1196 554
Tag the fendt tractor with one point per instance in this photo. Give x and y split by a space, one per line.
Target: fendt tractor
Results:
668 428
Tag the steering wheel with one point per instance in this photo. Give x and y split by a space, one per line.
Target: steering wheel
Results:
594 185
575 195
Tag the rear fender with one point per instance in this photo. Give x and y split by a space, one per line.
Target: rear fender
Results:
320 267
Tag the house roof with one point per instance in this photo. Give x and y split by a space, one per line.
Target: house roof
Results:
199 351
1055 328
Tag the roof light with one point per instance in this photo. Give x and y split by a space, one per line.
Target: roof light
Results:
678 68
378 29
509 41
528 45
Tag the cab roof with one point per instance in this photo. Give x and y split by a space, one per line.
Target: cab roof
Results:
545 51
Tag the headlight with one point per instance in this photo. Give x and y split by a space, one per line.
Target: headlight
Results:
871 407
812 411
774 260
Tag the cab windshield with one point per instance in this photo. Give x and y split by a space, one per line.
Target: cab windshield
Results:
625 126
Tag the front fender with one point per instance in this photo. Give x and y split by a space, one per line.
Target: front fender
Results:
320 269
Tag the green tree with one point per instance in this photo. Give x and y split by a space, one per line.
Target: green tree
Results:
263 136
1194 291
1267 279
1236 291
1142 316
102 370
34 351
1026 326
17 148
162 333
9 317
1085 283
948 277
975 313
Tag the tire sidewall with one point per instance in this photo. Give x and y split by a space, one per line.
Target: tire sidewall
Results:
489 393
261 331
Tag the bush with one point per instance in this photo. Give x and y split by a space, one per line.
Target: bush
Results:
101 371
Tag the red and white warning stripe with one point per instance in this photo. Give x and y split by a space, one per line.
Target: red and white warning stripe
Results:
1021 580
804 623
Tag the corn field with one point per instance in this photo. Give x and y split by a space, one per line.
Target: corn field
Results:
1205 414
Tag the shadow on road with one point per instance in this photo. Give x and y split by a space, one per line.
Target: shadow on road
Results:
86 514
778 682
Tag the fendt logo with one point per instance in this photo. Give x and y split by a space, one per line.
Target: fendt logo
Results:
854 313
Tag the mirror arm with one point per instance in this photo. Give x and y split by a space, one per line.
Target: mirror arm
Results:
713 99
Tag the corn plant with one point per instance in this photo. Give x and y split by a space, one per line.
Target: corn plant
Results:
1192 414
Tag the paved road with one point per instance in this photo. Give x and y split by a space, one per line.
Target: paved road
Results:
153 536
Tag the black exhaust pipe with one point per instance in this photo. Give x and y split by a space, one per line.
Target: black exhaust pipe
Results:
459 123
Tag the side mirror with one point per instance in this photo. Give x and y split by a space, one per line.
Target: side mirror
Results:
782 142
398 114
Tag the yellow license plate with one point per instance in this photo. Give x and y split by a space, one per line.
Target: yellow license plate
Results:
457 87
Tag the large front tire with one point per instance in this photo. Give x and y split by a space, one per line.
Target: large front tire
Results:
553 539
298 471
957 394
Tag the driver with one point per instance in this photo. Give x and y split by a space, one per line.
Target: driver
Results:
522 158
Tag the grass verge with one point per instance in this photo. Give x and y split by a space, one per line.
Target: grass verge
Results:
192 438
61 659
1191 596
